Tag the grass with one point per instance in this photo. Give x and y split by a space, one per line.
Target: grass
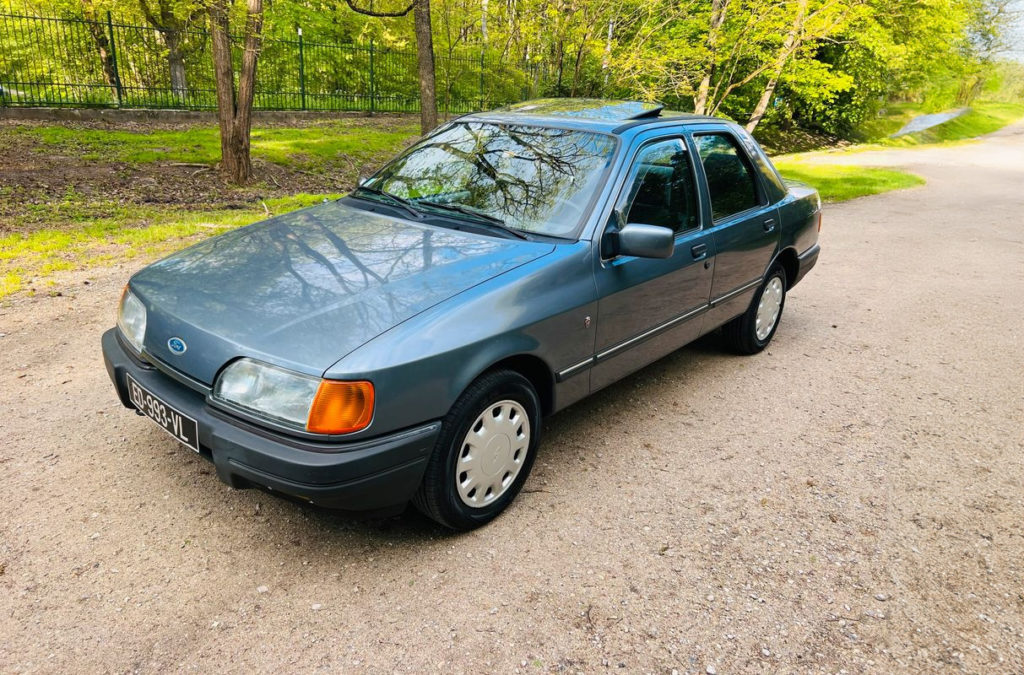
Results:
308 147
122 233
837 183
983 118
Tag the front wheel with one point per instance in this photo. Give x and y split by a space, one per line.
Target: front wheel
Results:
751 332
484 453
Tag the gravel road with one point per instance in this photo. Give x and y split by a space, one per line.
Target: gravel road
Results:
853 498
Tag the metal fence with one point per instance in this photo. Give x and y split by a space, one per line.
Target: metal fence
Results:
71 62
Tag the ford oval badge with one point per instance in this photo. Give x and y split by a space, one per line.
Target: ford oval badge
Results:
177 346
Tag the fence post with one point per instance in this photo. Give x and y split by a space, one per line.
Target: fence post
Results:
113 58
373 84
302 71
483 51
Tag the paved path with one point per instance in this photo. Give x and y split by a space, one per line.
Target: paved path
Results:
852 498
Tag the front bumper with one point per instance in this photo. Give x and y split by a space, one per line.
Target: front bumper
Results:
380 474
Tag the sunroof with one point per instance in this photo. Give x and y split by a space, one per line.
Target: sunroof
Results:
587 108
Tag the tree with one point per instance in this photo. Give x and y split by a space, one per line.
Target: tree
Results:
103 47
171 25
234 108
719 11
808 25
424 56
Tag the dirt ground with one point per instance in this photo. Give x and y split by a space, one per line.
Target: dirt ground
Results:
850 499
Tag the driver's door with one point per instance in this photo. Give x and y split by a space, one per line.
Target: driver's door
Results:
650 307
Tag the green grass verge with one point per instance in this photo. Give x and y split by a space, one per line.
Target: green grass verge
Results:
121 233
983 118
837 183
307 147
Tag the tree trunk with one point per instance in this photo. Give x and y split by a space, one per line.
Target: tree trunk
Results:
234 110
99 35
791 43
425 56
718 13
176 63
700 102
607 58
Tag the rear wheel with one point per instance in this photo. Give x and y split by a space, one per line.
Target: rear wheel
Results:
484 453
753 330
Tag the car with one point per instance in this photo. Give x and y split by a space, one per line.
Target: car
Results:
404 343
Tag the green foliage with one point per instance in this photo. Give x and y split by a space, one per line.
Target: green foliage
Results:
829 65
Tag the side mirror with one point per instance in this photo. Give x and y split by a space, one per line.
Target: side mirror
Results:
646 241
363 180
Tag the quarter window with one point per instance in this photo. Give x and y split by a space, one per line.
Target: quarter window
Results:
731 181
662 188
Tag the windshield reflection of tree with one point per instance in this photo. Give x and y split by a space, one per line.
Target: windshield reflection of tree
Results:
319 260
533 178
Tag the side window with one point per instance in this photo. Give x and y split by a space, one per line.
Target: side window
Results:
731 180
662 190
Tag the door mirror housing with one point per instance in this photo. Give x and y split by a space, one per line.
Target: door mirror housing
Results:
645 241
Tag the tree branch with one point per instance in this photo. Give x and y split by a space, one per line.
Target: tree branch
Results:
368 12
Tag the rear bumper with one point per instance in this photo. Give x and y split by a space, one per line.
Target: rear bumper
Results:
380 474
806 260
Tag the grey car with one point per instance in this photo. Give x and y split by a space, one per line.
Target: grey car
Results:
404 343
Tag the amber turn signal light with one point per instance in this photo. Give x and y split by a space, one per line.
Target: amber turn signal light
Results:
341 407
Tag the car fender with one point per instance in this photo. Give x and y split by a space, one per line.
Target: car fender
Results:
540 311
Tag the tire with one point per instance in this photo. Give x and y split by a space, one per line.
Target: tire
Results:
491 434
746 334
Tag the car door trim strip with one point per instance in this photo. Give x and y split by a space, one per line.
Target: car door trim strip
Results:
745 287
564 375
612 351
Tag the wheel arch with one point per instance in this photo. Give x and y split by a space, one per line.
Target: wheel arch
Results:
790 263
534 369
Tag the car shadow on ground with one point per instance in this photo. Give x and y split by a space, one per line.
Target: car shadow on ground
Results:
410 527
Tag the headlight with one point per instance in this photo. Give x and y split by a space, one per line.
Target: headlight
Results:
320 406
131 319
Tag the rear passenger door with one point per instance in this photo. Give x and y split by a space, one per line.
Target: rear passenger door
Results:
745 226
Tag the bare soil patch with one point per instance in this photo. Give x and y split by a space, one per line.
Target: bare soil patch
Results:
36 174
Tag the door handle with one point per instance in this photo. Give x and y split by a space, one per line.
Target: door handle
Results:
769 225
699 251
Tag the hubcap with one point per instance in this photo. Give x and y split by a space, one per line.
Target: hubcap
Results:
768 308
492 453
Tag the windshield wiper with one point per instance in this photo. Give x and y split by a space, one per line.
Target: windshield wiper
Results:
394 199
484 218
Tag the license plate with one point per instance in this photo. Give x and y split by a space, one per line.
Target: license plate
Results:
181 426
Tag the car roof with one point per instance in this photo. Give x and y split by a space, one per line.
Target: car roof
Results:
591 114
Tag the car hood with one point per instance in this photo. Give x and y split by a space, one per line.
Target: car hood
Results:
304 289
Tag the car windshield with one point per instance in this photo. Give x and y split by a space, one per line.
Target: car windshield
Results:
534 179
